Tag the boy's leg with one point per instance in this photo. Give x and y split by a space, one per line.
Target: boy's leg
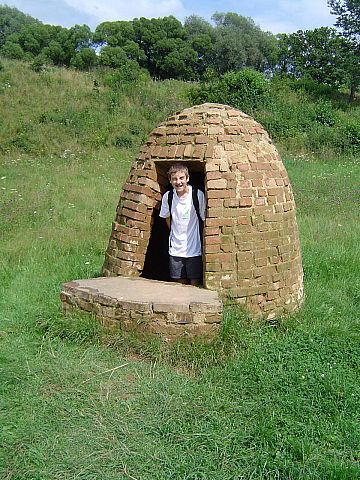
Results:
194 270
178 269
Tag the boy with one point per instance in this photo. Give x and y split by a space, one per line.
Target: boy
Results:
185 261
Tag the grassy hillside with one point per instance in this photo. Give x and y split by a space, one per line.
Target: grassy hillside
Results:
263 401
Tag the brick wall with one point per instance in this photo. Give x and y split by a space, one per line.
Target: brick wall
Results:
251 242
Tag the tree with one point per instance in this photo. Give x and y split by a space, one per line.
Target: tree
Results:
320 54
163 40
201 37
85 59
13 50
75 39
348 20
113 57
175 58
114 34
240 43
12 21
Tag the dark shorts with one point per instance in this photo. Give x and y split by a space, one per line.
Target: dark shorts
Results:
186 267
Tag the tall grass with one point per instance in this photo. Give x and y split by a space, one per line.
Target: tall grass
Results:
262 401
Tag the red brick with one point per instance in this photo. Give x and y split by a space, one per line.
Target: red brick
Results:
136 206
219 222
214 202
213 120
172 151
209 152
188 151
227 248
201 139
186 139
215 212
149 183
212 166
213 175
245 202
212 248
224 138
211 240
212 231
216 184
231 202
198 152
219 193
180 151
194 130
132 214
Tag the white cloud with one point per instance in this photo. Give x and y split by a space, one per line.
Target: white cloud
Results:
288 16
125 10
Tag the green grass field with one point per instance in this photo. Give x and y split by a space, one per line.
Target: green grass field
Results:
262 401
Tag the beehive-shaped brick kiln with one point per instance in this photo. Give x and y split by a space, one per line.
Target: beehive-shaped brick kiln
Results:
251 242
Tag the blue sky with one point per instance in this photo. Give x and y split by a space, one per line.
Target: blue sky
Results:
277 16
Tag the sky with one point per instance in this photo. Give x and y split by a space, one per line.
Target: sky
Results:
276 16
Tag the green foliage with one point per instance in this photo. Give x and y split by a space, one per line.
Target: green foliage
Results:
245 89
320 54
240 43
113 57
85 59
166 48
324 113
12 21
59 45
350 135
348 20
130 72
13 50
40 63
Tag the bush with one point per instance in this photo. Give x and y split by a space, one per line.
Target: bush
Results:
40 63
324 113
350 135
246 90
130 72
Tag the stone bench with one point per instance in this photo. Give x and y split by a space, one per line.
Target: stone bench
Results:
133 303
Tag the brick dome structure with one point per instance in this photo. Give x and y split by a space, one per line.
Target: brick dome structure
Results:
251 242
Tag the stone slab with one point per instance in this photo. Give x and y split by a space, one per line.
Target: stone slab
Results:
159 304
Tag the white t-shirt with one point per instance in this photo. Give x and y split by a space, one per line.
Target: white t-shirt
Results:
184 240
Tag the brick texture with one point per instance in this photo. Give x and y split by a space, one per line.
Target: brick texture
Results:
252 252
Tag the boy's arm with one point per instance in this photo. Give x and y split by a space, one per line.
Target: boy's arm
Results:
164 210
202 204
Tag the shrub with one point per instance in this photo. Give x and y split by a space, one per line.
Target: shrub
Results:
246 90
324 113
40 63
130 72
350 135
123 141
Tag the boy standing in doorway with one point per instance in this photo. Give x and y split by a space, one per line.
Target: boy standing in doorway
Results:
184 220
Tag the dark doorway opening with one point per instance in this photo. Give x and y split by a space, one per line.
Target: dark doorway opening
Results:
156 265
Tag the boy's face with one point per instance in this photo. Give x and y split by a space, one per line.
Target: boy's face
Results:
179 181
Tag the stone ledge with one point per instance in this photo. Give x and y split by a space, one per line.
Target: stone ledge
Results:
164 308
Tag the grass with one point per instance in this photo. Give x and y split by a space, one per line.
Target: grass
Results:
263 401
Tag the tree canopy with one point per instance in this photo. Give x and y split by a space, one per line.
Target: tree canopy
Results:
193 50
348 20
